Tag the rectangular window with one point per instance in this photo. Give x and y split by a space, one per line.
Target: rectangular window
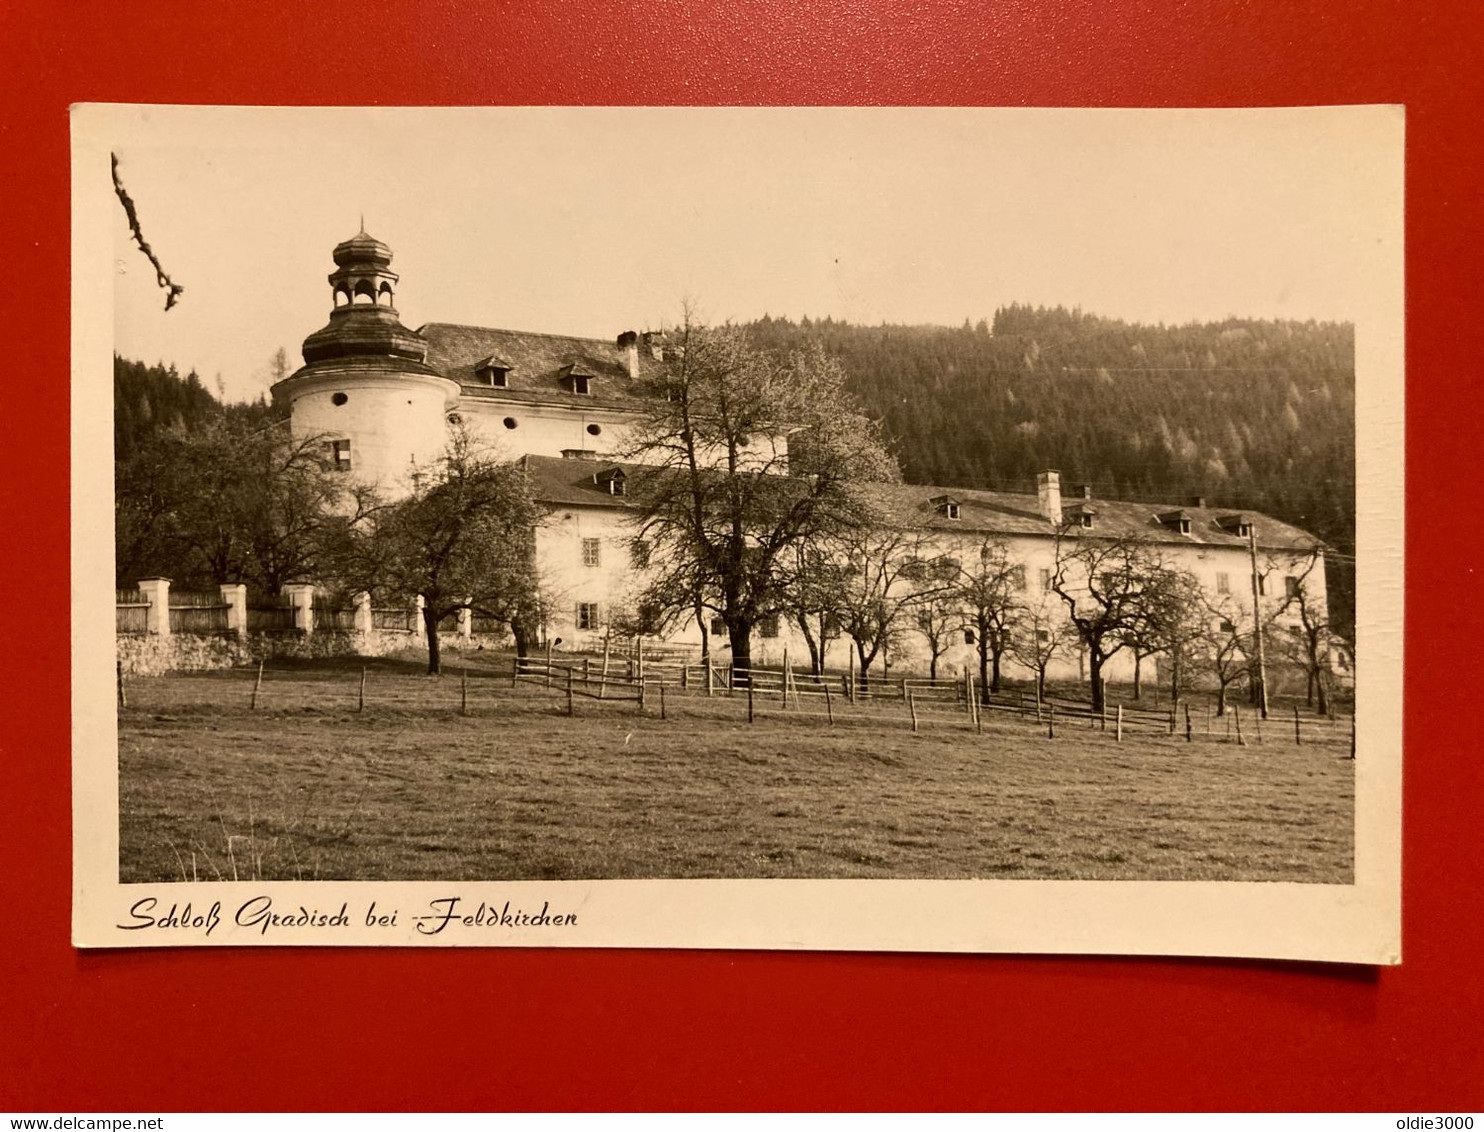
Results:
768 626
340 455
1223 583
579 383
718 627
1045 579
1017 577
592 552
1262 585
587 615
1228 627
1291 586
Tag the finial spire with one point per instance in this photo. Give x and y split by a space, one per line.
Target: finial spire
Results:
363 224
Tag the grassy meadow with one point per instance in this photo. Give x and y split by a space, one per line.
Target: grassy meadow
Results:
306 786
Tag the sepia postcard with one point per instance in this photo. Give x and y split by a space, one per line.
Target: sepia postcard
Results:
860 529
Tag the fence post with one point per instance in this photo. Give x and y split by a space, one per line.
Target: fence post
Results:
1051 722
662 700
1172 719
463 689
603 676
123 696
911 704
684 676
1352 735
1297 737
1258 718
156 591
548 660
1237 718
829 704
1118 735
258 683
641 697
569 691
235 599
1187 723
361 698
1104 705
710 677
784 681
639 644
749 701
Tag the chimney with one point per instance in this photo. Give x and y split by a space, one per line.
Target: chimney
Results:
1048 496
1084 490
1196 501
628 342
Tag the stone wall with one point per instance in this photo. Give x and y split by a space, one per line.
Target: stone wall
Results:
154 655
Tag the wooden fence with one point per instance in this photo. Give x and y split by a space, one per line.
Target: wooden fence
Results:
201 614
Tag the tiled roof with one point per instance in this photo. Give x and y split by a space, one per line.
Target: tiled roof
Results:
537 364
564 482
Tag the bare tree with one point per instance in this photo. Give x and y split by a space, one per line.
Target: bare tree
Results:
940 620
1169 617
878 578
1040 635
989 591
464 539
1110 587
725 424
1308 645
1224 647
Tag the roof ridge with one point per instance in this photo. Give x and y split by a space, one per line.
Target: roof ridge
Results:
522 333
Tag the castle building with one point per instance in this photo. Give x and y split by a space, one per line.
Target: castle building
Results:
384 397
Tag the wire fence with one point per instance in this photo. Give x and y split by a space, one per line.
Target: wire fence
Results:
676 690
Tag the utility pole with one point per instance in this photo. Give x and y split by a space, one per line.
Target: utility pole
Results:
1262 669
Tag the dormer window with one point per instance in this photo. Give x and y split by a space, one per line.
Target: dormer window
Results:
494 372
1239 525
1080 516
613 480
575 379
947 506
1178 521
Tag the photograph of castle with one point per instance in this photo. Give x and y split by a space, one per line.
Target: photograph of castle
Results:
819 496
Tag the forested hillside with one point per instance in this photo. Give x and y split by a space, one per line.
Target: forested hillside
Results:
1246 412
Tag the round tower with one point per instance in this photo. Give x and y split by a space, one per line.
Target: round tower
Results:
365 386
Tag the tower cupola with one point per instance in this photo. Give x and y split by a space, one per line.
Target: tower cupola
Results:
363 321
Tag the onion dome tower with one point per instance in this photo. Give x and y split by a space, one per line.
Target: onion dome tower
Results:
365 385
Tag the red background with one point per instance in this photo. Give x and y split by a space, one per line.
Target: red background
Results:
394 1029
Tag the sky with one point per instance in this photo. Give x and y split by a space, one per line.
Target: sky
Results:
596 221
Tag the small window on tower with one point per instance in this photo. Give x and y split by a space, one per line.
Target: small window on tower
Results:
340 455
592 552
